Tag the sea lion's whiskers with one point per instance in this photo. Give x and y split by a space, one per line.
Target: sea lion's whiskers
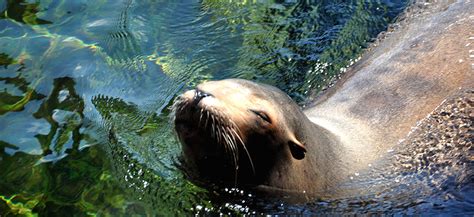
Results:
213 125
235 158
226 128
219 133
221 127
216 127
228 143
222 132
175 106
200 116
207 118
178 105
244 147
226 146
231 143
237 133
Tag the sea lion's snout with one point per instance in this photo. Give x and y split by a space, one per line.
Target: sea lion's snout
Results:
189 120
199 95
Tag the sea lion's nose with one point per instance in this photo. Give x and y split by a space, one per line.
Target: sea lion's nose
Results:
199 95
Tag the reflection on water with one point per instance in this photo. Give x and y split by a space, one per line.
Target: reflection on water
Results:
302 46
86 87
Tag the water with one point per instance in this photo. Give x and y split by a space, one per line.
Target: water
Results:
86 88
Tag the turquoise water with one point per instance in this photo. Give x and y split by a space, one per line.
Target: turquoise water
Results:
86 86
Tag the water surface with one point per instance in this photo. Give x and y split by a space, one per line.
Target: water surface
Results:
86 88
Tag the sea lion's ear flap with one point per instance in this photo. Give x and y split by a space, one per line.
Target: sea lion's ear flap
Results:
297 149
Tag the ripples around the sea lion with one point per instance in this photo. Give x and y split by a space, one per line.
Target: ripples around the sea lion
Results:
86 87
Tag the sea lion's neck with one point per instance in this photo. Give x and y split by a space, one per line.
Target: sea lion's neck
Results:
323 167
329 153
361 143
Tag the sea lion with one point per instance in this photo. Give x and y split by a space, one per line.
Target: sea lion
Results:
243 133
247 134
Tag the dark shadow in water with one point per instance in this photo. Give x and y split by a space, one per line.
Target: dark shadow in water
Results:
10 102
23 12
64 115
6 60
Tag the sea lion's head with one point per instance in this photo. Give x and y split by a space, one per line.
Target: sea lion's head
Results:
235 131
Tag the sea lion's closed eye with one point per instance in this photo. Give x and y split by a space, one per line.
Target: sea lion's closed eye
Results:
263 115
